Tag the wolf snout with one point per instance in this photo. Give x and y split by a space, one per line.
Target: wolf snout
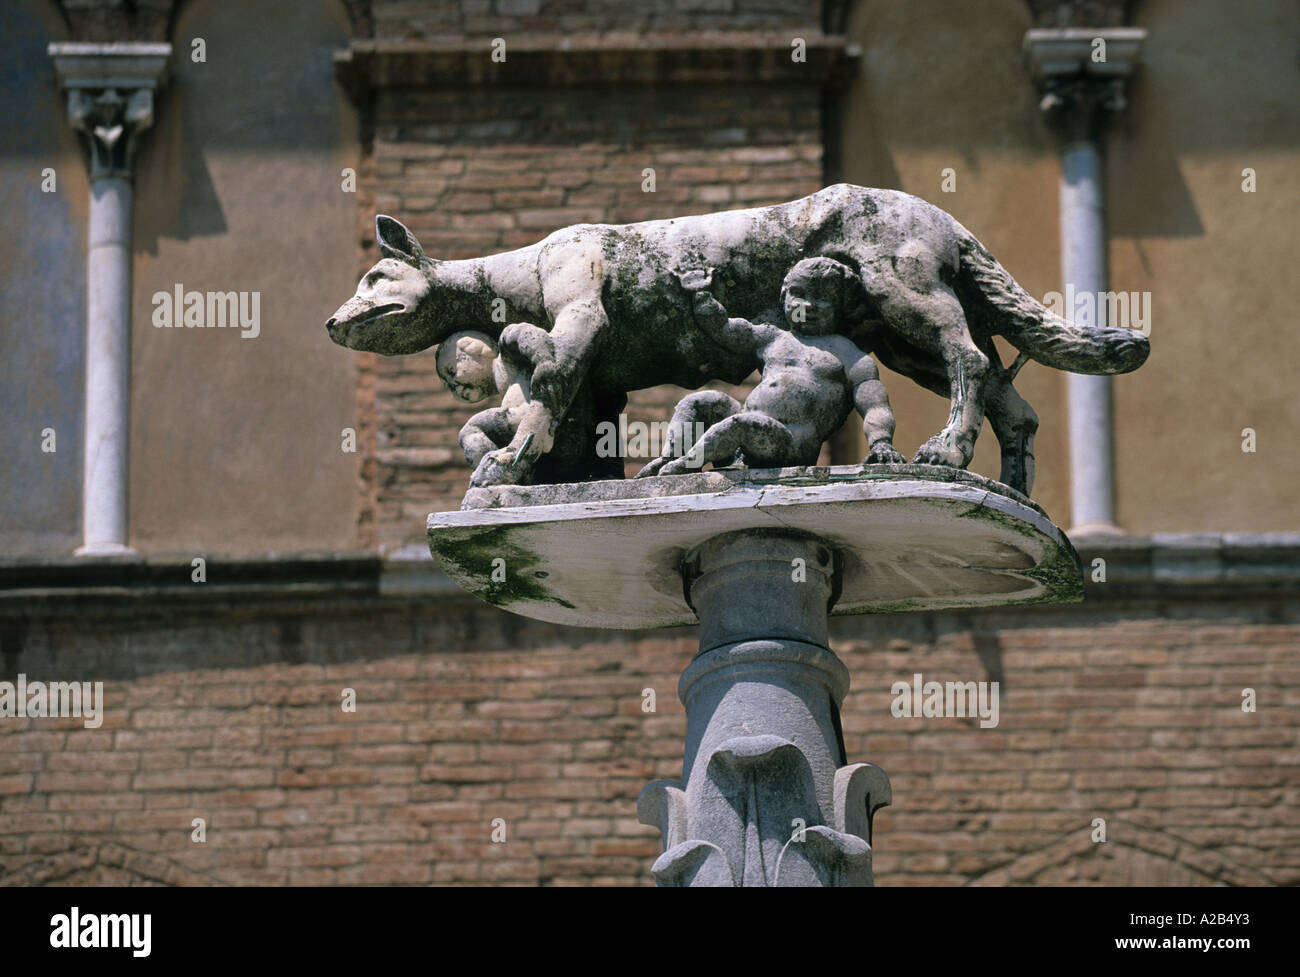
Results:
343 325
336 326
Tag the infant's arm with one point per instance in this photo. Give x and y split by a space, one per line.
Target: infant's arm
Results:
712 317
872 401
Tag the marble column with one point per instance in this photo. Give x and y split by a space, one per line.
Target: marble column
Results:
110 90
1081 74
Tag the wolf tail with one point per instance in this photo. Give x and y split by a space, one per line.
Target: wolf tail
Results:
1008 310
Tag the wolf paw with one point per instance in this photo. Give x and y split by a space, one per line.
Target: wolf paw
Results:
884 453
942 449
498 468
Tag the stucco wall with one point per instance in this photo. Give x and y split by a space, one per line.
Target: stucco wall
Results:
1218 93
943 86
235 443
42 292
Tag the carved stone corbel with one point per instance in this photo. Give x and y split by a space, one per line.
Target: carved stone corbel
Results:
110 121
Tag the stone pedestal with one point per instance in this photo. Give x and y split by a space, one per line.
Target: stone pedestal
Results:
766 797
759 559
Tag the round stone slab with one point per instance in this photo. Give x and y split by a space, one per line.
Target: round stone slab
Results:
609 554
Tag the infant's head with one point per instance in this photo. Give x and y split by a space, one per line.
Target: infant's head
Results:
465 364
820 295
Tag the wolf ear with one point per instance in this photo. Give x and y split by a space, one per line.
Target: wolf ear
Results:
396 241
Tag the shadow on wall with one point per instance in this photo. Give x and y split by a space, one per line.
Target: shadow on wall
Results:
212 108
42 293
1146 195
182 200
240 190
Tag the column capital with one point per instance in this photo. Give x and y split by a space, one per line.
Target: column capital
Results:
1081 72
110 89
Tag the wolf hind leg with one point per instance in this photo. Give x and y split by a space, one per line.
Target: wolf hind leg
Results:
1014 423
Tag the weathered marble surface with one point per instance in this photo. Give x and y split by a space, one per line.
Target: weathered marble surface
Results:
610 554
810 378
611 298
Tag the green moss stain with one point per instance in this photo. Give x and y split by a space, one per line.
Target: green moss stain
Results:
1061 575
999 518
472 558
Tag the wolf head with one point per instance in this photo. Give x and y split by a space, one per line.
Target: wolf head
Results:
391 312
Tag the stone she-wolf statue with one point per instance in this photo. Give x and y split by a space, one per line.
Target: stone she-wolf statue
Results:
613 301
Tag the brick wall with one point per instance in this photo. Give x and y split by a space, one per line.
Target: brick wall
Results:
230 711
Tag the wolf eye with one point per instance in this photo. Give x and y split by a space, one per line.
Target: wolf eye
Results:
372 277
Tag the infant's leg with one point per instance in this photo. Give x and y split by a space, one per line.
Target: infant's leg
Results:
486 431
706 409
766 443
804 447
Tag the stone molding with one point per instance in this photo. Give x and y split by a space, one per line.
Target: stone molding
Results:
1178 564
599 59
1164 565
